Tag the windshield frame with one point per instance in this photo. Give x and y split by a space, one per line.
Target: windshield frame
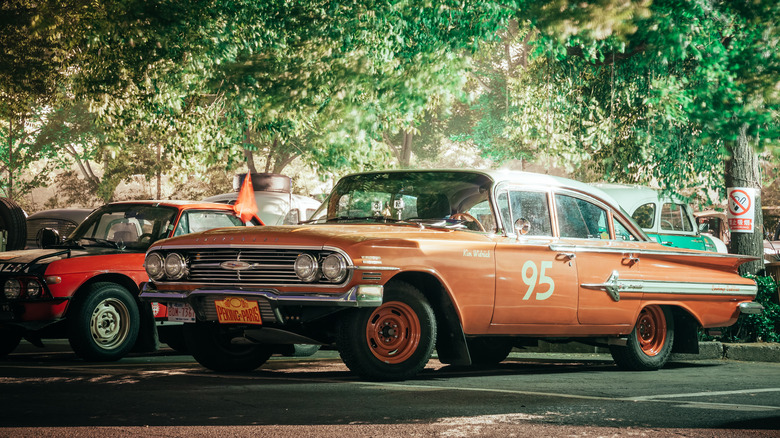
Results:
463 189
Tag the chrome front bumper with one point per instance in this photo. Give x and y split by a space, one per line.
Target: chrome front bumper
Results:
358 296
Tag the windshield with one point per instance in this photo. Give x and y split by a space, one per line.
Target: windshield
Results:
129 226
438 198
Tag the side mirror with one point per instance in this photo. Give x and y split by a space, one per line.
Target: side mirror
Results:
293 217
47 237
522 226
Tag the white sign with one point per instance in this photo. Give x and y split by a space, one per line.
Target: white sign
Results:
741 215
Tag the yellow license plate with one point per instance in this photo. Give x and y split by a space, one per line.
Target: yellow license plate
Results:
237 310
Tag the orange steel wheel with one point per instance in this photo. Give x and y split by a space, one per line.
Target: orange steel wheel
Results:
393 332
651 330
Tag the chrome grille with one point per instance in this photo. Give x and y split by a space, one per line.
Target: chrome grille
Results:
268 266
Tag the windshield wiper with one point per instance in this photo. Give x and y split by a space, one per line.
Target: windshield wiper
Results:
364 218
103 242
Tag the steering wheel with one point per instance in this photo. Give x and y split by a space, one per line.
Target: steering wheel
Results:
468 218
668 224
145 236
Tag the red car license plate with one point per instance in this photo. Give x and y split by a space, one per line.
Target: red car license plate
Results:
181 312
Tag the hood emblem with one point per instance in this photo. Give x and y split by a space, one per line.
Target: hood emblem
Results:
236 265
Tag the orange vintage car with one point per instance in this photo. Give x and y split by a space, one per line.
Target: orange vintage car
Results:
471 263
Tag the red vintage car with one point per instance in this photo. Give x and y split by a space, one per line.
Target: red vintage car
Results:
85 287
471 263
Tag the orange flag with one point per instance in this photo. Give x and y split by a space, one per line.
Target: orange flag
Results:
245 205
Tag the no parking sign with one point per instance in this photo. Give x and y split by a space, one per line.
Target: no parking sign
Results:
741 213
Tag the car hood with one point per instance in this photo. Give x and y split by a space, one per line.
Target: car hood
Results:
34 261
325 235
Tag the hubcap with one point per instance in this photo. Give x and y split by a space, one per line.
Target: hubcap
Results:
109 325
393 332
651 330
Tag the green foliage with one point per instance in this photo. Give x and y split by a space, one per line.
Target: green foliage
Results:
764 327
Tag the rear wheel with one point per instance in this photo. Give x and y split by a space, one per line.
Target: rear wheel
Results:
211 345
649 344
393 341
103 325
489 351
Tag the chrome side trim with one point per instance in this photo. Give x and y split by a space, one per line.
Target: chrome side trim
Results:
583 248
751 308
373 268
614 286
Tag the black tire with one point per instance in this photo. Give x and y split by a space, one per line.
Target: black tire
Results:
9 340
489 351
173 336
649 344
103 324
13 220
390 342
210 344
304 350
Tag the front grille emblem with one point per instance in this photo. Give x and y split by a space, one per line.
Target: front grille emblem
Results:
236 265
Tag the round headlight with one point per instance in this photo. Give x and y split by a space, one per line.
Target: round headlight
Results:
34 289
306 267
334 267
175 266
154 266
12 289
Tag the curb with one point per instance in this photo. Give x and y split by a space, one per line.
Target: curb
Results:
713 350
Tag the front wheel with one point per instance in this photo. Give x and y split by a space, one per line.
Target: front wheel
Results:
211 345
103 325
9 340
391 342
649 344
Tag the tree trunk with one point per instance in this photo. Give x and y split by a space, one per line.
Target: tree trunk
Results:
405 158
159 171
742 170
248 154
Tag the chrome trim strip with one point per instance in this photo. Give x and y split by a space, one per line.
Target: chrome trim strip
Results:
697 288
582 248
373 268
350 298
751 308
613 285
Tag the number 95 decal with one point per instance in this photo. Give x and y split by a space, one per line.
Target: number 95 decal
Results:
532 277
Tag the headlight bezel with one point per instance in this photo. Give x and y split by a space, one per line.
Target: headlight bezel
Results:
34 289
18 287
155 266
334 267
307 267
175 266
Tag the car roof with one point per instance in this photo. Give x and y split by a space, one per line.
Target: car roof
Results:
521 177
183 205
631 196
73 214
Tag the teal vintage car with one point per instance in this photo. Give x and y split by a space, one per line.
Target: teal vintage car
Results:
668 220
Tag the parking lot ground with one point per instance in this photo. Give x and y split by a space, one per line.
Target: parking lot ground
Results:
48 391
